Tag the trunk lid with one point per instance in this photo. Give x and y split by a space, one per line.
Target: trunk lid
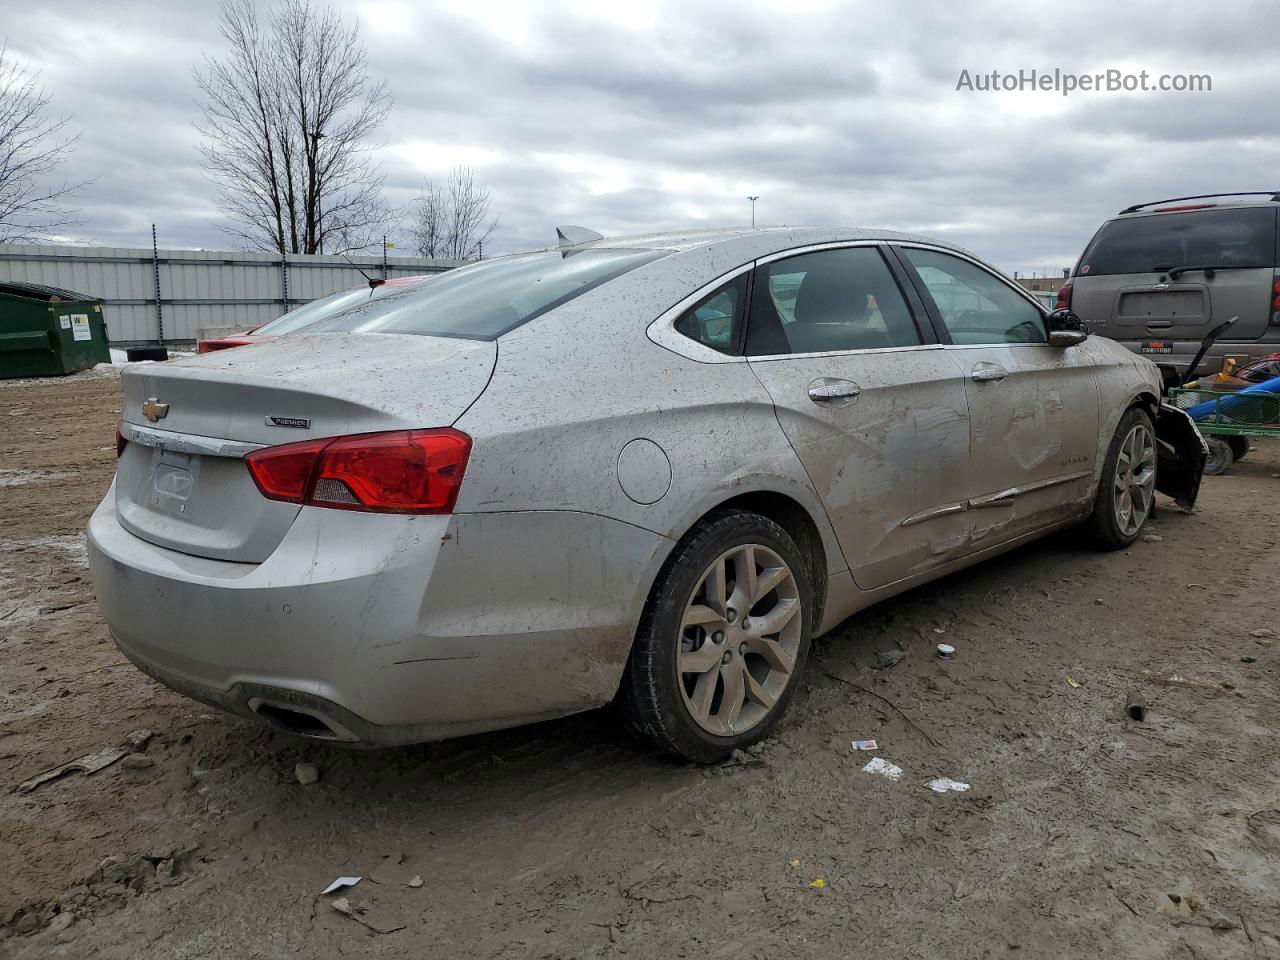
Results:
181 482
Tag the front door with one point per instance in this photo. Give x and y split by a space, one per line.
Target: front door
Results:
874 410
1033 408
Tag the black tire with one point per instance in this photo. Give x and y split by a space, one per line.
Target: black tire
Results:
1221 456
1104 525
1239 446
651 698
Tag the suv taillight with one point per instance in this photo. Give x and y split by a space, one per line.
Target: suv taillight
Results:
407 471
1064 297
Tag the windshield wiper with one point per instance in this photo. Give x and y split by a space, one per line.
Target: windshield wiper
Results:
1175 272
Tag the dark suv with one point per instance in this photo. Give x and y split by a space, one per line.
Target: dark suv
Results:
1160 275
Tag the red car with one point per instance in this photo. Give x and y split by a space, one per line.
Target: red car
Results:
295 320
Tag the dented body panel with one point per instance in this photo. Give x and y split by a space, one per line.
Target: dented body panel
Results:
600 437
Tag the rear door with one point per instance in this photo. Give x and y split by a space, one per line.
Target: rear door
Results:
1033 408
873 406
1124 287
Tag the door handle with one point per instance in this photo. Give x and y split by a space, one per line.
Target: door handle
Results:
1159 324
988 373
833 391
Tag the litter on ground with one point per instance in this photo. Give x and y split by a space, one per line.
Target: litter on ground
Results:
339 884
947 785
865 745
89 763
883 767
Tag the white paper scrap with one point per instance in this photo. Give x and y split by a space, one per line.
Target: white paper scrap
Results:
341 883
946 784
884 768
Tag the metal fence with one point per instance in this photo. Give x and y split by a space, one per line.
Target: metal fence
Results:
165 296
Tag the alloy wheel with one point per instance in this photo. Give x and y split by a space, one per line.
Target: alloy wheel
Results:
1135 480
739 639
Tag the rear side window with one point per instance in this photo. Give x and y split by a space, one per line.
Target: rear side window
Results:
485 300
716 320
1206 238
830 300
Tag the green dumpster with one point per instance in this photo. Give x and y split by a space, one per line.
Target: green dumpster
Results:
46 332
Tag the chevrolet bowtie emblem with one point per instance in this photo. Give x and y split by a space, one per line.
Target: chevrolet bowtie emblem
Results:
154 410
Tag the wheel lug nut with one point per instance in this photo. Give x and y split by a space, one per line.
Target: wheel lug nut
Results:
742 649
745 623
727 657
718 637
731 614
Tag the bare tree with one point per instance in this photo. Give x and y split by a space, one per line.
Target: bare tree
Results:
288 114
32 147
453 222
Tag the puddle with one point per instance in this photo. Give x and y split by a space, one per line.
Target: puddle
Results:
19 478
73 545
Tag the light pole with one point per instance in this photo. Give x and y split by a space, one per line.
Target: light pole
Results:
753 209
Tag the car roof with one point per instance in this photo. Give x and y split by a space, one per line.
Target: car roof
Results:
753 242
1216 201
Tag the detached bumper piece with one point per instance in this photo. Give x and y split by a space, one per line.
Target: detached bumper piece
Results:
1180 456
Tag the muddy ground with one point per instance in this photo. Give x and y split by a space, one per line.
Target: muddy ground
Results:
1084 833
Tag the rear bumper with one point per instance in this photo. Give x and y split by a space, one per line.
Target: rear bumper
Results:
386 629
1184 352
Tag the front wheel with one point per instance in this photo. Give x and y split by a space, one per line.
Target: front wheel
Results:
1127 489
723 639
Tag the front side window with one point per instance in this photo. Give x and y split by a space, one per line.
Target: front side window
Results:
716 319
829 300
485 300
976 306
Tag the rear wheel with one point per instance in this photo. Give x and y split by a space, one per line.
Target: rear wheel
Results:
723 639
1239 446
1220 458
1127 489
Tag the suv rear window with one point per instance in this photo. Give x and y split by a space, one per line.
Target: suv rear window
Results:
485 300
1210 238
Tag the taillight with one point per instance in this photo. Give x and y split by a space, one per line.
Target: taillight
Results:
284 472
120 441
410 471
1275 288
1275 302
1064 297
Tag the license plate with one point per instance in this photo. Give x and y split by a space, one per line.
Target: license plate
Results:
1157 346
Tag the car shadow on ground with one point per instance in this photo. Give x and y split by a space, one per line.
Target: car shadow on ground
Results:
574 756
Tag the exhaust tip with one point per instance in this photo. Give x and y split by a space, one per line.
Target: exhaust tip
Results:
299 722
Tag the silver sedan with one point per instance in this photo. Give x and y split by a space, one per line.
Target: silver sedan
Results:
646 470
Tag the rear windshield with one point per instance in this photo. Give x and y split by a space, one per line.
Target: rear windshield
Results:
1212 238
484 300
328 306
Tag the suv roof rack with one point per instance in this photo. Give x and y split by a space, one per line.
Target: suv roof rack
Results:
1272 194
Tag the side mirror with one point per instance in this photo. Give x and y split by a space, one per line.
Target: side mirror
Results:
1066 329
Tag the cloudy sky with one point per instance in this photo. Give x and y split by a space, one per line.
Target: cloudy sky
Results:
633 117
